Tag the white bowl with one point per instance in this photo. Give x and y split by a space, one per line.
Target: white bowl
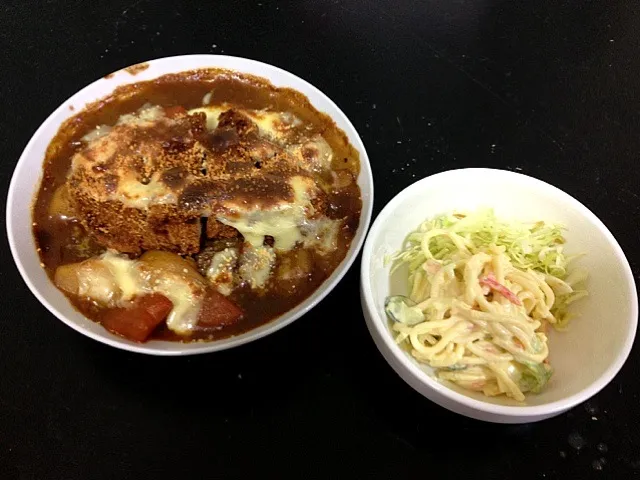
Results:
585 358
26 180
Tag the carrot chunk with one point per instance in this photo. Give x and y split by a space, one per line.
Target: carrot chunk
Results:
137 322
218 311
157 305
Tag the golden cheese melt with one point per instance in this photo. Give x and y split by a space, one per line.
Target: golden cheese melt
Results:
114 165
283 221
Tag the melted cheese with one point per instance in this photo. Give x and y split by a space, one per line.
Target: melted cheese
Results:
314 155
282 222
131 193
186 303
145 115
256 264
267 122
124 274
273 125
212 114
98 132
105 144
118 279
94 280
220 271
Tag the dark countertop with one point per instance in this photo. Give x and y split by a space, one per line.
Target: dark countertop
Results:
548 88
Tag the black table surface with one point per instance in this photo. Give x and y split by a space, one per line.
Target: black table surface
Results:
547 88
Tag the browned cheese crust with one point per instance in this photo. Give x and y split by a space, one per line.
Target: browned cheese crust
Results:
146 184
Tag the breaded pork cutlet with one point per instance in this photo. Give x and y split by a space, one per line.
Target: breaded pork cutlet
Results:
146 182
125 184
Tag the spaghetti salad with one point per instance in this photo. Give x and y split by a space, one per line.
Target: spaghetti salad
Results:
482 294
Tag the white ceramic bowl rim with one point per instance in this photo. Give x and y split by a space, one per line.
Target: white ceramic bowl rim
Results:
379 321
186 63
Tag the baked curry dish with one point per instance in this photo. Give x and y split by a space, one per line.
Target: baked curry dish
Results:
195 206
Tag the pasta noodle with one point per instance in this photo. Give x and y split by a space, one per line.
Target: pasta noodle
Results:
478 308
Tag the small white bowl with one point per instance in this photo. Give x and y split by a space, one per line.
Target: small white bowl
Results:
27 176
585 358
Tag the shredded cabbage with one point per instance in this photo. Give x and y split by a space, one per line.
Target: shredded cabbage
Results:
534 376
538 247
